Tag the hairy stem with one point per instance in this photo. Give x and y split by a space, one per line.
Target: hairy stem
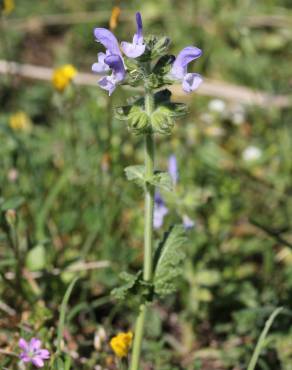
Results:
148 234
149 206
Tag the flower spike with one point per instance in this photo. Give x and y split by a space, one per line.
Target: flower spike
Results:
137 47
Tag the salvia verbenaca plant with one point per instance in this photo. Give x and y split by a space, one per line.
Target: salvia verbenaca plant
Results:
145 62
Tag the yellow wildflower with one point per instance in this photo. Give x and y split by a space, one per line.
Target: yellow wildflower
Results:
8 6
114 18
63 76
121 343
20 121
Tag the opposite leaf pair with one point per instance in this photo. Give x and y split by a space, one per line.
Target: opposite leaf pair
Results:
167 259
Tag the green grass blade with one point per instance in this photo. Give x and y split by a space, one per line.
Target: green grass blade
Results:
49 201
63 314
260 343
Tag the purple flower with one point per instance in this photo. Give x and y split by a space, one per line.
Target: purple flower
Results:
172 168
137 47
190 81
116 65
108 40
111 60
101 67
188 222
32 352
160 211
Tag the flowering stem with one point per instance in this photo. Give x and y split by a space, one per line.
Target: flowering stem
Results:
148 233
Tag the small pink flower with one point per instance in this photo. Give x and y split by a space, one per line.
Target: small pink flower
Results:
32 352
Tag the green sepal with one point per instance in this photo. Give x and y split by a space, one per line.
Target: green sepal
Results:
158 46
133 287
155 47
159 76
135 71
168 260
161 121
131 63
163 118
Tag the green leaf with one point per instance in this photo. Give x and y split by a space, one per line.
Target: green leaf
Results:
207 277
162 180
262 338
59 364
167 261
63 311
136 174
36 258
133 287
12 203
130 282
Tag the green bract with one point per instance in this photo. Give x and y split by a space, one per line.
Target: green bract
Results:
161 120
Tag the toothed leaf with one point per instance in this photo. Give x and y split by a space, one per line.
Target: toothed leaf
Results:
168 261
136 174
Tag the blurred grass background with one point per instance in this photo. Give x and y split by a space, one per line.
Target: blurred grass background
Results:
62 171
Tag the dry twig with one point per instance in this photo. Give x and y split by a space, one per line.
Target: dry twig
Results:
223 90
